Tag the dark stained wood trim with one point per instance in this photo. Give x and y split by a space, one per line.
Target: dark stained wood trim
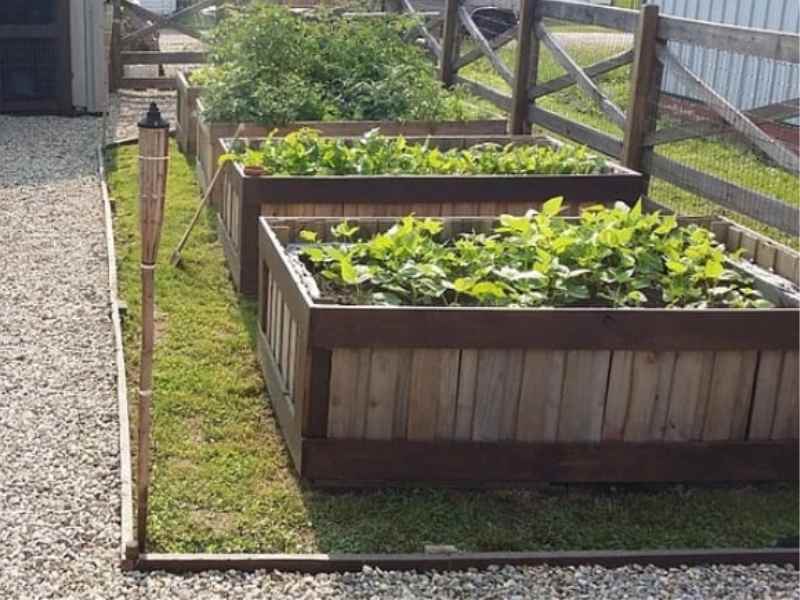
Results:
318 394
562 329
279 398
65 71
476 464
338 563
285 278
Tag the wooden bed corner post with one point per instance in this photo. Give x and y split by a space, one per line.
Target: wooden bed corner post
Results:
526 69
646 75
450 36
153 162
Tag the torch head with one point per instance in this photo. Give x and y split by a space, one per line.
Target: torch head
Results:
153 119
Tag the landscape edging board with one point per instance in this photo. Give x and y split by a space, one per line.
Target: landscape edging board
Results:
332 563
129 549
341 563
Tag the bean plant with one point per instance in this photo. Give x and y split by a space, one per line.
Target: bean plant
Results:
270 66
608 257
306 152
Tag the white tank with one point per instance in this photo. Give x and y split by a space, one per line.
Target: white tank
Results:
161 7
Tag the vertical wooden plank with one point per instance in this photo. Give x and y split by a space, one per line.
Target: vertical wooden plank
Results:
449 43
749 244
787 414
384 371
583 402
286 326
648 404
765 396
423 397
526 68
402 392
734 239
448 394
497 391
645 83
787 265
350 369
666 376
465 403
343 389
540 396
731 393
688 396
619 392
765 255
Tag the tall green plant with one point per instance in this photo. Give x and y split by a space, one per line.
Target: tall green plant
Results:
271 66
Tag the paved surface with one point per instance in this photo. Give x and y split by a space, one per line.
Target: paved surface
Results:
59 489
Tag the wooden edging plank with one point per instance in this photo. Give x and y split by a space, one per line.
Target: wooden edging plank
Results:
333 563
128 547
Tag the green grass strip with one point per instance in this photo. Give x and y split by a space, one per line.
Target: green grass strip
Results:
222 477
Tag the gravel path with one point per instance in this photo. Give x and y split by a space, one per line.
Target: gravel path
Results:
59 492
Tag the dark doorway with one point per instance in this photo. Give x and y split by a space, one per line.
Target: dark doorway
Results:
34 56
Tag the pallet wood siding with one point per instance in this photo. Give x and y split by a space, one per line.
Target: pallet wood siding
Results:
245 198
186 113
209 135
408 395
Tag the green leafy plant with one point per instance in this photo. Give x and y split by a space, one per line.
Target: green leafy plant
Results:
617 257
306 152
270 66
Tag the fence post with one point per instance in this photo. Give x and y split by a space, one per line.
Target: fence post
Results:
645 88
449 43
116 50
526 68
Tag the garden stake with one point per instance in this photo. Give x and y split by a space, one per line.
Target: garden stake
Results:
175 259
153 162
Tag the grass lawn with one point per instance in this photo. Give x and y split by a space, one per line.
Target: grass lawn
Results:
222 479
731 162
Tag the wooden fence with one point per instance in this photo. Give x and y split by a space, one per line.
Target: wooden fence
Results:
639 135
124 50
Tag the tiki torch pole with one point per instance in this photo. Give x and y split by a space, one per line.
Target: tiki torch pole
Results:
153 161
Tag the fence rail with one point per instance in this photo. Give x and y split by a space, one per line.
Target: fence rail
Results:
124 50
644 121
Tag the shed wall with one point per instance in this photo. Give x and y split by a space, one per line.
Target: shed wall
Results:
745 81
89 72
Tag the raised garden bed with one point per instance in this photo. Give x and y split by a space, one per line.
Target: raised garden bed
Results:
245 198
481 396
186 113
210 134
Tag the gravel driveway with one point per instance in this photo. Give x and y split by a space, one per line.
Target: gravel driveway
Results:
59 492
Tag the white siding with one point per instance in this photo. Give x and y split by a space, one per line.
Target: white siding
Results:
745 81
88 56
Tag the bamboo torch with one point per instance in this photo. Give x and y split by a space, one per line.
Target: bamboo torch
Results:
153 161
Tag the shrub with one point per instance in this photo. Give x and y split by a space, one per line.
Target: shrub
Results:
270 66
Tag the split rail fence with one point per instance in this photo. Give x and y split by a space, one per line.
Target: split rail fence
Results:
651 118
126 47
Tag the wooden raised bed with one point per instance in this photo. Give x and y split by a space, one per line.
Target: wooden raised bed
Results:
186 113
480 396
209 135
246 198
